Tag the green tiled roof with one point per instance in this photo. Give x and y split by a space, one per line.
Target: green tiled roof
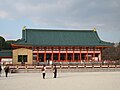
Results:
44 37
6 53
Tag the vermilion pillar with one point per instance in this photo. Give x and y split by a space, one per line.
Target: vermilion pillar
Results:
87 55
100 54
37 54
59 55
52 54
66 54
93 54
44 54
80 54
73 55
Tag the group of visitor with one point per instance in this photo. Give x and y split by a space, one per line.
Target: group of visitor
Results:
6 69
44 71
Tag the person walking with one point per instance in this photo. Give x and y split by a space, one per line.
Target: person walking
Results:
55 71
0 70
44 71
6 70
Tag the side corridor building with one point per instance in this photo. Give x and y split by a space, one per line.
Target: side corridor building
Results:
44 45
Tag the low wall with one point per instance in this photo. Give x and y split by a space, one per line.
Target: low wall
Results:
65 68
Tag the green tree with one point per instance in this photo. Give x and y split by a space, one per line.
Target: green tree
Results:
2 42
5 45
8 44
112 53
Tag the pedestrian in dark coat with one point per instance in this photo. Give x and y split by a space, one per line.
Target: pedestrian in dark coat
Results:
0 70
6 70
55 71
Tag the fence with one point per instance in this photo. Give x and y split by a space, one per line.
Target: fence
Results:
68 66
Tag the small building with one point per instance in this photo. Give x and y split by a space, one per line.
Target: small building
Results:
44 45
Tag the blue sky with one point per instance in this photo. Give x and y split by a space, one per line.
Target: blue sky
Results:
104 15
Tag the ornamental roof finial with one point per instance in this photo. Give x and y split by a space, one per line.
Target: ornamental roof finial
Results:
94 29
24 28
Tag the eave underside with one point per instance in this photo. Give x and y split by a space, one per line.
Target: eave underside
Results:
43 46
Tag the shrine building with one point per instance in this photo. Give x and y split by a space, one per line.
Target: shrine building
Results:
43 45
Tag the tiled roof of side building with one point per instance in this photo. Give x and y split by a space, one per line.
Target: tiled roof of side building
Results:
44 37
6 53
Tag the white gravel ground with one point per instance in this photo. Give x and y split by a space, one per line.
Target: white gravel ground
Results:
65 81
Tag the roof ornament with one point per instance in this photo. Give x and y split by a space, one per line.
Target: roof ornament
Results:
94 29
24 28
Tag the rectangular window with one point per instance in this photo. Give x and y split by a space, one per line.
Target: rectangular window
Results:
22 58
19 58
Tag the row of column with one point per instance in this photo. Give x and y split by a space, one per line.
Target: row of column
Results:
73 55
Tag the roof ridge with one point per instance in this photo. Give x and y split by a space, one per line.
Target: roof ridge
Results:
60 30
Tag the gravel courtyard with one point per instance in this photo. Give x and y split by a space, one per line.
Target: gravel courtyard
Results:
65 81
